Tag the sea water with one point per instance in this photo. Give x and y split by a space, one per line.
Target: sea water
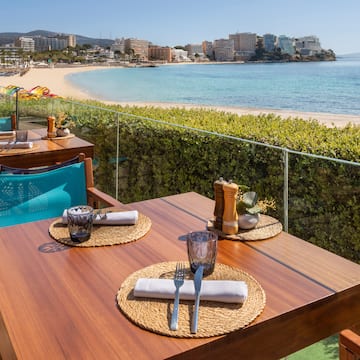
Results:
331 87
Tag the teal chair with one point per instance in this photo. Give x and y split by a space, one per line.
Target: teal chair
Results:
36 194
7 123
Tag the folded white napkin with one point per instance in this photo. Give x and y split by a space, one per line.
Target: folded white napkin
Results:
112 218
227 291
16 145
7 134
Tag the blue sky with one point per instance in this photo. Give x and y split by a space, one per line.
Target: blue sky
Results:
180 22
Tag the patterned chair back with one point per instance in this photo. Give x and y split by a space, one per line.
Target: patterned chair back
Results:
36 196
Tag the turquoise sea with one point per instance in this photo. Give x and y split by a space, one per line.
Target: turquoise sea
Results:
331 87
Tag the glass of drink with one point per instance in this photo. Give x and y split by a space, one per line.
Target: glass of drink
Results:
202 250
80 221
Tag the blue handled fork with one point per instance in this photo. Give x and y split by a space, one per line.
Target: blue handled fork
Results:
178 281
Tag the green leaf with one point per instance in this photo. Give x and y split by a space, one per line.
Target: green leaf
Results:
250 198
254 210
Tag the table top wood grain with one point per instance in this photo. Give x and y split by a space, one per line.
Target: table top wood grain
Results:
47 151
60 302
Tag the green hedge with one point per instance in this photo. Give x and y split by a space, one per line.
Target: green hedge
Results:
156 159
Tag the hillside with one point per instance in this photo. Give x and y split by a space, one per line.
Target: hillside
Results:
9 37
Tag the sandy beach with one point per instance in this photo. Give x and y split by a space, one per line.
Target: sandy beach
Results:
54 79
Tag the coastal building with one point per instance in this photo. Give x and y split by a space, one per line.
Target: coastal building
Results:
95 54
118 46
56 42
25 43
208 49
194 51
286 45
244 45
244 41
43 43
104 53
71 40
269 42
308 45
137 48
161 53
223 50
179 55
9 55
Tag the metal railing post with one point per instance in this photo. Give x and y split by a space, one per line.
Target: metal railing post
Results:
117 155
286 189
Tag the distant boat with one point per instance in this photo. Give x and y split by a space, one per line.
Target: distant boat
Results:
141 65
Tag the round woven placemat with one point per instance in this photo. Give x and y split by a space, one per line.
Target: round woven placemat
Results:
6 151
70 136
266 228
103 235
215 318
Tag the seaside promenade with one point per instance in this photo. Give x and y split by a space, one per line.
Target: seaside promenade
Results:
55 80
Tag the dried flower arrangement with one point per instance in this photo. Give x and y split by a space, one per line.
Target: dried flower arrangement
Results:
248 202
64 121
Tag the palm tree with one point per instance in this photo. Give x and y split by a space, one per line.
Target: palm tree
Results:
131 53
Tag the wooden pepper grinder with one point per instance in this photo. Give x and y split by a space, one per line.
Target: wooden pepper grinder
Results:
51 131
230 217
219 203
13 122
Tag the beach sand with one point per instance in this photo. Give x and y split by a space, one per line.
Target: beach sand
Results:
54 79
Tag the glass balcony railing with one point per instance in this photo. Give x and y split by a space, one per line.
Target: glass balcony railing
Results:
136 158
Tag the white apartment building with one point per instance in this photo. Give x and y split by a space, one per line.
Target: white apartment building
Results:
45 43
9 55
179 55
25 43
223 49
308 45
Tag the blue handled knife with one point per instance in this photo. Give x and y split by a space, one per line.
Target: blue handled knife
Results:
197 283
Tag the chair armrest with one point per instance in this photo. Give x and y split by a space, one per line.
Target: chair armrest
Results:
98 199
349 345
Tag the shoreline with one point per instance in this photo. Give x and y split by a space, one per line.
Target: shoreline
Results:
55 80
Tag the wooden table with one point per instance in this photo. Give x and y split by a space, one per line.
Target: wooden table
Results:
46 152
59 303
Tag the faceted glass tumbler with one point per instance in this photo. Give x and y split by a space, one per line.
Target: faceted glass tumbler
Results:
202 250
80 221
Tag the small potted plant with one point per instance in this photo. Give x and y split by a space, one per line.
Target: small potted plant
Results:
249 208
63 123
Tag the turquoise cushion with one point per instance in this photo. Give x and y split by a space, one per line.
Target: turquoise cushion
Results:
31 197
5 123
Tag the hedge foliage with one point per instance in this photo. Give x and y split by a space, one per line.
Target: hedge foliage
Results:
293 133
156 159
